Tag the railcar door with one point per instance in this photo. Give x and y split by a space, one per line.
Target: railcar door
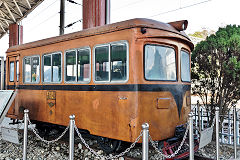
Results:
13 82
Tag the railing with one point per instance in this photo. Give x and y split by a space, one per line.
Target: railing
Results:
146 137
201 120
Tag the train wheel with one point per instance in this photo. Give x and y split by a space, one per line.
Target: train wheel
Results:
108 145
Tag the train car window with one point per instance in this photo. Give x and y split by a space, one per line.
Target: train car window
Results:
27 70
160 63
83 65
56 67
52 69
11 74
31 69
35 69
111 62
78 65
185 66
47 68
71 67
102 65
17 70
118 62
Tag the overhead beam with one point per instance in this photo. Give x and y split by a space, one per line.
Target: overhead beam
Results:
2 27
28 4
19 10
6 20
6 5
4 14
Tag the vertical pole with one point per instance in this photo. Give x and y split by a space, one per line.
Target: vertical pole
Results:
191 143
2 73
62 17
71 137
237 128
145 146
195 119
25 134
235 131
107 12
199 116
217 131
229 129
202 125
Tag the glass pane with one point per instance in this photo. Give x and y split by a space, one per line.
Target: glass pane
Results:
47 68
56 63
185 66
35 69
27 70
17 70
118 61
71 69
83 65
11 77
102 66
160 63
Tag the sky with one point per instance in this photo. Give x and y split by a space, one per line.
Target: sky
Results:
43 22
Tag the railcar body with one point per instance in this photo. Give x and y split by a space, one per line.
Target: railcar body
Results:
113 78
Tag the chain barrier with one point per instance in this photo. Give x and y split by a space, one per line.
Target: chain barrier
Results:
176 152
111 156
42 139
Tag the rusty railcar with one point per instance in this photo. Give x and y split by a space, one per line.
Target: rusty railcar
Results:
113 78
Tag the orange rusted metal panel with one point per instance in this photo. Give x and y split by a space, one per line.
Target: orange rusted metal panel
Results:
113 110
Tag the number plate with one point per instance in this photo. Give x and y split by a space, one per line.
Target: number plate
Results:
51 95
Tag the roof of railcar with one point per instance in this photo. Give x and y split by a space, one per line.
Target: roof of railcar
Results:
133 23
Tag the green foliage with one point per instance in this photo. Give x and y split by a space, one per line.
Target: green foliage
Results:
216 69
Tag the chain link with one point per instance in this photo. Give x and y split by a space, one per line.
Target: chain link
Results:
46 141
111 156
176 152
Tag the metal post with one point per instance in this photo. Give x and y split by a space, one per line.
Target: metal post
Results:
191 143
107 12
25 134
71 137
202 125
217 131
62 17
2 73
145 146
235 131
199 116
237 128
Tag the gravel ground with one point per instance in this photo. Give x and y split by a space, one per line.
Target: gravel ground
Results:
38 150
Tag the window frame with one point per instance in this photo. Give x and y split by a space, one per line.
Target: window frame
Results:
17 71
13 71
42 68
189 54
23 69
109 47
176 61
65 65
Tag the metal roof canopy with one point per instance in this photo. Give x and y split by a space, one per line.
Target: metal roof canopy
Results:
13 11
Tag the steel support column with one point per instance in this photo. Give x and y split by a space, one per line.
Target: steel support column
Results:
62 17
95 13
15 34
